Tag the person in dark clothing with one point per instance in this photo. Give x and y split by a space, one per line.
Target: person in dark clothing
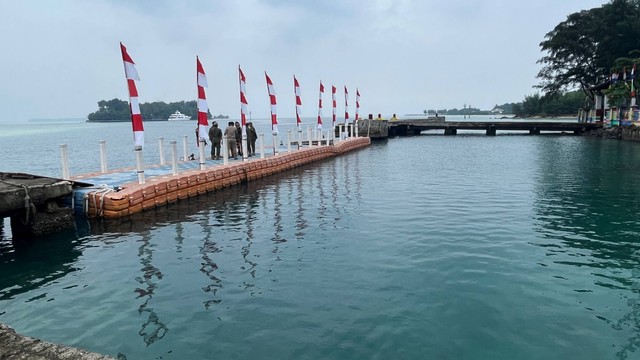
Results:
252 136
215 136
239 138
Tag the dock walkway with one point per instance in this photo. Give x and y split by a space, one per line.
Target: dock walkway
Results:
117 193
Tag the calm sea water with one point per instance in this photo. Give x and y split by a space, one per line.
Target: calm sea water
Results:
428 247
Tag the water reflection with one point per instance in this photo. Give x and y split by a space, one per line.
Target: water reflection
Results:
209 267
153 328
27 265
586 205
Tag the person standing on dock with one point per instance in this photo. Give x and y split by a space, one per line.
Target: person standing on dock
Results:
215 136
230 134
252 136
239 138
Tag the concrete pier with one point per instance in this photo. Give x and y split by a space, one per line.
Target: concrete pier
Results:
14 346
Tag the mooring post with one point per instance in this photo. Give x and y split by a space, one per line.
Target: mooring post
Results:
184 148
161 149
65 161
103 156
275 143
262 146
225 151
201 153
174 157
288 141
139 164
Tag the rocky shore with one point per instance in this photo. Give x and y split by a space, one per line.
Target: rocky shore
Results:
629 133
14 346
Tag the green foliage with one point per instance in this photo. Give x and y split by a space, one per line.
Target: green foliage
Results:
580 50
117 109
549 106
620 92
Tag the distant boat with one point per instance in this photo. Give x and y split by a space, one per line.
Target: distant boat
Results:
178 116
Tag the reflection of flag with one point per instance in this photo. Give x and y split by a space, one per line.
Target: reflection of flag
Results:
136 118
272 99
296 89
333 99
243 100
203 108
346 104
320 106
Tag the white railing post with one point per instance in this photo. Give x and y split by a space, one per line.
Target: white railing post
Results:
245 156
184 148
139 164
261 146
64 156
174 157
310 136
161 149
275 143
201 153
288 140
103 156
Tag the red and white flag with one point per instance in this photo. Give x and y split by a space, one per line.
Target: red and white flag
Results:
272 99
357 104
136 118
244 105
320 106
346 105
296 88
333 100
203 108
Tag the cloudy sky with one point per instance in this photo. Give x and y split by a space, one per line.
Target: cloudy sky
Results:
59 58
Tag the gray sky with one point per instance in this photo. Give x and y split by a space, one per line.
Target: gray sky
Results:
59 58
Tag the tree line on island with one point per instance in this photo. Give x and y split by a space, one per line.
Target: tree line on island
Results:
118 110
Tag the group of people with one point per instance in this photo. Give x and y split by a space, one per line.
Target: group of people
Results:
233 134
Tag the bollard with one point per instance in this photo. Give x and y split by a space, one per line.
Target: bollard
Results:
65 161
103 156
225 151
161 148
174 157
185 156
288 141
139 164
261 146
201 150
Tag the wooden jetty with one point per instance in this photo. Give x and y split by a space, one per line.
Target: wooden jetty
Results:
408 127
118 194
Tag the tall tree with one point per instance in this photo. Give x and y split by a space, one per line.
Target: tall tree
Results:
580 51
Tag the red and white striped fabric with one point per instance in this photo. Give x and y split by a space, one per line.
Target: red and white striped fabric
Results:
244 105
320 106
136 118
333 99
346 105
357 104
296 88
272 99
203 108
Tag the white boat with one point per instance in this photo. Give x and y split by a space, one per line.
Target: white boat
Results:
178 116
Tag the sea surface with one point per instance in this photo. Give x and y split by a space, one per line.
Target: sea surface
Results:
425 247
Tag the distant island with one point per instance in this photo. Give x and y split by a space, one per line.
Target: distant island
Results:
118 110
